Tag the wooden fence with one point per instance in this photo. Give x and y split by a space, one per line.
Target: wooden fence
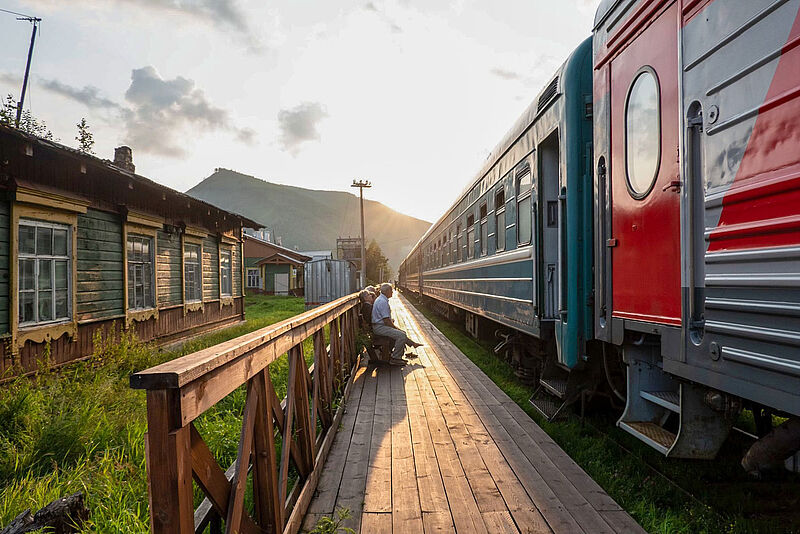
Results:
179 391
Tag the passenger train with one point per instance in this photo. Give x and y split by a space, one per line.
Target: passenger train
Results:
637 231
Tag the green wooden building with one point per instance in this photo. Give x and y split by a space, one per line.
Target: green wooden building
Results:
272 269
88 247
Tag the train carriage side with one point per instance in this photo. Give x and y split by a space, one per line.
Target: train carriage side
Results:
698 274
516 247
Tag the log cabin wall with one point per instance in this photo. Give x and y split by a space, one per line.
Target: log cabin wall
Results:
5 229
104 211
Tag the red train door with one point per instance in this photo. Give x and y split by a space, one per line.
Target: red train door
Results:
645 202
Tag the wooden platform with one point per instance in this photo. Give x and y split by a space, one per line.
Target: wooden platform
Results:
436 446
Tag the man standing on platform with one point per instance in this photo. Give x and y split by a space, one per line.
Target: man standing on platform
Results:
383 325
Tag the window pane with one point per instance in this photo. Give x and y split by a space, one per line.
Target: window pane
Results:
500 231
470 243
45 274
59 242
27 270
642 133
524 218
27 239
131 285
44 241
145 249
484 237
45 306
62 308
26 307
524 183
137 249
147 284
61 274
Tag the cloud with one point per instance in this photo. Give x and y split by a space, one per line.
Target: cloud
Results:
381 14
88 95
299 124
159 116
505 74
218 13
162 110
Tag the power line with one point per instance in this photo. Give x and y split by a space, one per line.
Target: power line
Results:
15 13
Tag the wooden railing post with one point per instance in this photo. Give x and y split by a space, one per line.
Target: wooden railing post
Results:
169 465
180 391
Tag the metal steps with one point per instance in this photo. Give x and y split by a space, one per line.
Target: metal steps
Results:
547 406
657 437
557 390
556 386
668 399
669 415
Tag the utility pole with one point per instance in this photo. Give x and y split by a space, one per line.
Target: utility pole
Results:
35 21
361 184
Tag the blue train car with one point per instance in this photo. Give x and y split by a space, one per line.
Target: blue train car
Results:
515 248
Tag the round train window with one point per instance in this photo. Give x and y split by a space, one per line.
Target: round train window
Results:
642 133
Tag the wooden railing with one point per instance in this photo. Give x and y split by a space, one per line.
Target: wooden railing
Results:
179 391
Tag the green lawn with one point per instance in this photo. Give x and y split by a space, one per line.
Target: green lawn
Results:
691 497
82 428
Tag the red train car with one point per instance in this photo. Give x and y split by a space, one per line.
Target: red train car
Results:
697 189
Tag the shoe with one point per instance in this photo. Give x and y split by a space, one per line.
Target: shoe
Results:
399 362
410 355
416 345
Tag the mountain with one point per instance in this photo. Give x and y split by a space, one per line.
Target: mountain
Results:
311 219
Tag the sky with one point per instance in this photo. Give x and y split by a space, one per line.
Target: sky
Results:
411 95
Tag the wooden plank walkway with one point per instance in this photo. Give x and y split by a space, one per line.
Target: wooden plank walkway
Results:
436 446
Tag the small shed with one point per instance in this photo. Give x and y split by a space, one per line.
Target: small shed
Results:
89 247
273 269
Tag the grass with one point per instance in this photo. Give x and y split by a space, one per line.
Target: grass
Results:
687 497
82 428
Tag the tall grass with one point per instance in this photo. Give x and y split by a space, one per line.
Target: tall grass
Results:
81 428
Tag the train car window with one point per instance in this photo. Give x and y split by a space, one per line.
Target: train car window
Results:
484 237
642 133
524 219
500 220
459 244
471 237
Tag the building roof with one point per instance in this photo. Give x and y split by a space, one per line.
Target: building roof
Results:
45 164
258 248
281 259
315 253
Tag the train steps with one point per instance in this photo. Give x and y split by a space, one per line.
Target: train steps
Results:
557 389
670 416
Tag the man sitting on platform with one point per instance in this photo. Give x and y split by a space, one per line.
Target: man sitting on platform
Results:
383 325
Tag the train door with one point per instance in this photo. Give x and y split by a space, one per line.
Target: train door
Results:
646 185
550 249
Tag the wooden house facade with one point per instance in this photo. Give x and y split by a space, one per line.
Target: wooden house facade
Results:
272 269
88 247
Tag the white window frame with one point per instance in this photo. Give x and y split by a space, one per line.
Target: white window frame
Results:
256 277
223 270
46 257
197 296
148 305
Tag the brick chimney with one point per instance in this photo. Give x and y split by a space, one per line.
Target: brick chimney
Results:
123 158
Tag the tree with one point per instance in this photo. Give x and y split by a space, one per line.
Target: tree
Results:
27 123
377 264
84 138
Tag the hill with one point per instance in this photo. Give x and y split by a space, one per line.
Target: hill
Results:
311 219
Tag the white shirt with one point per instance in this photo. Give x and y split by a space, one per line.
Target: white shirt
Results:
381 309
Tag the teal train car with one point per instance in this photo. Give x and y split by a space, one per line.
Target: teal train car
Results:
513 254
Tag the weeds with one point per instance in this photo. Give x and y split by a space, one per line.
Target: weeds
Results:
81 428
333 525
